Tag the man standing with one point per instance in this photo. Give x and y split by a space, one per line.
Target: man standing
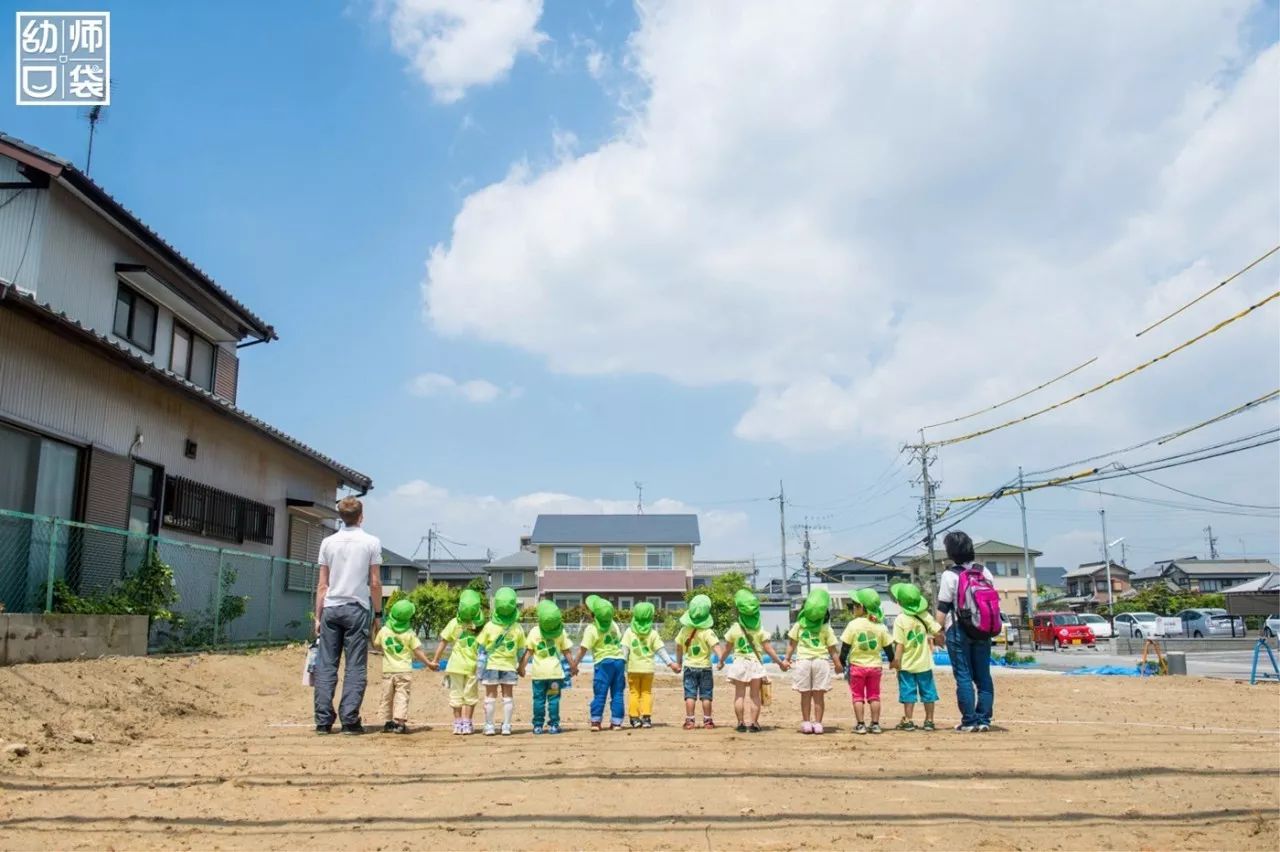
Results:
348 608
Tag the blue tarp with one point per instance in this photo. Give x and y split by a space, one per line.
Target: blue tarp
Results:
1116 671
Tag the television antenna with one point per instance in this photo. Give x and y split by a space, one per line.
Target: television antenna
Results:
639 497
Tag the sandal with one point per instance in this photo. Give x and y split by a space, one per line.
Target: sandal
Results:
755 729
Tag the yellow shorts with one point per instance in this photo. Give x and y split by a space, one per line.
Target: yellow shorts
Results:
463 690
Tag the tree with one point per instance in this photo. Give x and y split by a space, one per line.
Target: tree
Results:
434 604
721 592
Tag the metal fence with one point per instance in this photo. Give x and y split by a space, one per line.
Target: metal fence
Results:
224 596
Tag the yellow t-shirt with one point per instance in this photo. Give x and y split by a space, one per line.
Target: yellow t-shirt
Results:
462 656
397 650
811 644
866 639
603 646
912 633
697 652
504 645
740 641
640 650
546 655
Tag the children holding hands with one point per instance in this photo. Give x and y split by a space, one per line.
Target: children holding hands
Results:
504 639
604 640
913 656
460 634
744 639
694 644
546 644
400 645
641 642
812 638
864 639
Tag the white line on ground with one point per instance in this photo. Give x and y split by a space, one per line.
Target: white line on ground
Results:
1202 729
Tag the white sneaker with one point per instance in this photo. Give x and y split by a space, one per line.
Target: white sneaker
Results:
506 730
964 729
489 731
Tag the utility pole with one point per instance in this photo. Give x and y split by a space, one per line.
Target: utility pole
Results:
1213 542
639 497
1026 549
926 453
431 549
1106 558
782 532
808 572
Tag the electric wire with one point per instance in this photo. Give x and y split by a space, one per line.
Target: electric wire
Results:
1224 282
990 408
1172 504
1199 496
1111 381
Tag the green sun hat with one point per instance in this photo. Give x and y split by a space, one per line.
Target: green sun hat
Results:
814 611
748 609
550 621
909 598
400 618
601 610
870 601
698 613
506 607
469 606
642 617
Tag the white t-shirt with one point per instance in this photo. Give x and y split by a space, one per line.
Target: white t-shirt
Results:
949 584
349 553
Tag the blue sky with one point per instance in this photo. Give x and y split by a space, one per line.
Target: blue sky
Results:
709 253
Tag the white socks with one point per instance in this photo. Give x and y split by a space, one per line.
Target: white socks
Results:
508 707
488 710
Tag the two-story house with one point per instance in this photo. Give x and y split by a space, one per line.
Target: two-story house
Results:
119 370
864 573
1007 567
1086 585
626 559
517 571
1205 576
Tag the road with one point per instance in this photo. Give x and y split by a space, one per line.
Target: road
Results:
1229 664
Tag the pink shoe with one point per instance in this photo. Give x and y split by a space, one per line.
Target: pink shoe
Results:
817 727
806 727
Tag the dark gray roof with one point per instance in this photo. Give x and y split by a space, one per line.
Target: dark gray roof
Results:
1225 567
441 568
395 560
62 169
58 320
1050 575
616 529
520 560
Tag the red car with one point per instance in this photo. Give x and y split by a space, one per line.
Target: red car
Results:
1060 629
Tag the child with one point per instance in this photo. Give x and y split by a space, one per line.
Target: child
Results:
818 655
399 644
913 656
862 642
604 640
464 690
545 644
503 639
744 639
641 642
694 644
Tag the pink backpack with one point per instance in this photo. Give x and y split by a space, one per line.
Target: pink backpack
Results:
977 608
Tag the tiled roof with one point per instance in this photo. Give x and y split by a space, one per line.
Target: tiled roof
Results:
64 170
612 581
392 559
1266 583
1225 567
521 559
616 529
13 298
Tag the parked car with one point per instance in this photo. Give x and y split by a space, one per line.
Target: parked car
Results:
1100 626
1059 630
1271 627
1010 630
1201 623
1136 625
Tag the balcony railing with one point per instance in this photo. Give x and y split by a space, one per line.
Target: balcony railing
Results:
617 563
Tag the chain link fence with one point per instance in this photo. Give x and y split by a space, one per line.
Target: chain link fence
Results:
223 596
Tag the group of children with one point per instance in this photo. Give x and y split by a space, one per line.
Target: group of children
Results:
496 652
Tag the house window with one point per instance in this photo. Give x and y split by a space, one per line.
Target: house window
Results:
613 558
567 601
673 605
513 579
568 558
657 602
700 582
660 557
384 571
211 512
191 357
626 603
135 319
38 475
1210 585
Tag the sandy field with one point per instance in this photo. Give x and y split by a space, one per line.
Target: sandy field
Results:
218 752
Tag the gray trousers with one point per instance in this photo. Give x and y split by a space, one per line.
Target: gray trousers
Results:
343 630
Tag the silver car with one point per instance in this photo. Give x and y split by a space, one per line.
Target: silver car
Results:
1203 623
1271 627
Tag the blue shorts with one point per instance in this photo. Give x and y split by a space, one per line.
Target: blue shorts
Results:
911 683
698 683
493 678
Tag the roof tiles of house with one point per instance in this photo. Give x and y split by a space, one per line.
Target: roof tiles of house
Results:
616 529
391 559
1224 567
990 547
1266 583
520 560
613 581
1088 569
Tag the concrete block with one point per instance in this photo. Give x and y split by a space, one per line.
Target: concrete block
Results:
40 638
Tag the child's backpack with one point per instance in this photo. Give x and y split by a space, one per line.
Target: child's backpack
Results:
977 608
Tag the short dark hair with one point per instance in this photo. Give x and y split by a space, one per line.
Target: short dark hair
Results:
959 547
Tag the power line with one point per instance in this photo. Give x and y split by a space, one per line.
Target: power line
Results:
1111 381
1224 282
1200 496
1171 504
990 408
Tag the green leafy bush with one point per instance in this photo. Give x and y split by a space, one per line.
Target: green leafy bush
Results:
149 591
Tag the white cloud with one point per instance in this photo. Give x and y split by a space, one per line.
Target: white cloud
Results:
472 390
454 45
596 61
402 515
878 216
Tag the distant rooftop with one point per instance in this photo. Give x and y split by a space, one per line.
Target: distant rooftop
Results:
616 529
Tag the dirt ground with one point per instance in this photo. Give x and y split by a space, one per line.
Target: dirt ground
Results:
218 752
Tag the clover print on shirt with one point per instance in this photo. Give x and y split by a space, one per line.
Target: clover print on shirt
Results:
743 645
915 637
393 645
866 642
543 650
811 637
609 639
468 639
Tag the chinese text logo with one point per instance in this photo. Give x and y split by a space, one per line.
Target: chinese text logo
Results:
64 58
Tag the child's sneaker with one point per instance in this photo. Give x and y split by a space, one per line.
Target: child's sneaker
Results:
875 728
707 723
929 726
860 729
537 729
554 729
635 723
506 730
458 727
468 727
806 727
817 727
388 726
489 729
689 724
400 728
646 722
906 725
742 728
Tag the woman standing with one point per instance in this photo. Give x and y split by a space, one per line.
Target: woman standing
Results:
970 656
